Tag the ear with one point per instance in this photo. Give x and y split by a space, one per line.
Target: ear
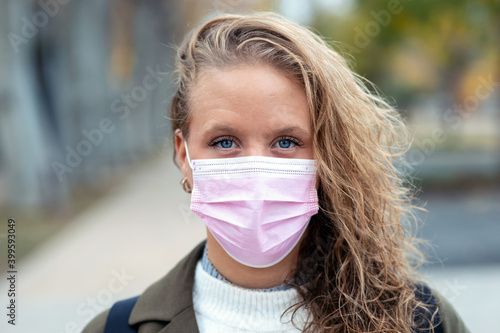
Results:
180 152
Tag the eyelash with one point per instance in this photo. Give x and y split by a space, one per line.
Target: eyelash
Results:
214 142
293 140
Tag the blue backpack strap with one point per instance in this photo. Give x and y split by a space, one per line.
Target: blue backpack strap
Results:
423 318
117 321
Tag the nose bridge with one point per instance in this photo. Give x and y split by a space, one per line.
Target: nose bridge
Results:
257 145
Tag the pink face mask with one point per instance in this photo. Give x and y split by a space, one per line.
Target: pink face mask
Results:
256 207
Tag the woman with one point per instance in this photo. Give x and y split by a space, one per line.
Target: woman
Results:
289 161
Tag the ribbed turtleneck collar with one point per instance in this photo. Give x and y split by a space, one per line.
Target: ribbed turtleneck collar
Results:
221 306
210 269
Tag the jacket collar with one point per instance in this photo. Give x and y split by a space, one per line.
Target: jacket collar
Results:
170 299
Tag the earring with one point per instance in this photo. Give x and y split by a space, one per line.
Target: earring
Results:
185 185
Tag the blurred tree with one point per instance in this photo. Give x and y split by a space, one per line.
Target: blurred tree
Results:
412 47
66 69
28 139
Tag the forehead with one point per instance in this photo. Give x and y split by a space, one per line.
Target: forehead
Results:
249 93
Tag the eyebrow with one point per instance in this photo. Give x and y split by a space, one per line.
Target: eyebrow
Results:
223 128
293 129
226 128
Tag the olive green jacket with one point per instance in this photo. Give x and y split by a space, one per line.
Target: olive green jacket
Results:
167 305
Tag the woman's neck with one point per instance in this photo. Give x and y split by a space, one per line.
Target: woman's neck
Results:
250 277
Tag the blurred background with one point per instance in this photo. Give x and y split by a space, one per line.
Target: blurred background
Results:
86 156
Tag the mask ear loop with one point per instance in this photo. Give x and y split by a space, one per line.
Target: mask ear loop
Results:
187 154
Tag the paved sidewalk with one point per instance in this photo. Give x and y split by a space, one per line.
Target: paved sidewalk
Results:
135 235
113 250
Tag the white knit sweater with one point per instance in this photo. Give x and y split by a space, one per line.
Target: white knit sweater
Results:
223 307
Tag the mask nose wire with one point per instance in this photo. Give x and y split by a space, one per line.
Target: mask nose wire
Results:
187 154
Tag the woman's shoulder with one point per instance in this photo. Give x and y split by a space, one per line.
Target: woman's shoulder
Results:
450 319
97 324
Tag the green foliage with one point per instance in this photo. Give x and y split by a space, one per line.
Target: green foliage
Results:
411 47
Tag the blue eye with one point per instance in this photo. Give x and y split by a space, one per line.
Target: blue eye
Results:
285 143
226 143
222 143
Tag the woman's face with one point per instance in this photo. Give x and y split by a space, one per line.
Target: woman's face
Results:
249 110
